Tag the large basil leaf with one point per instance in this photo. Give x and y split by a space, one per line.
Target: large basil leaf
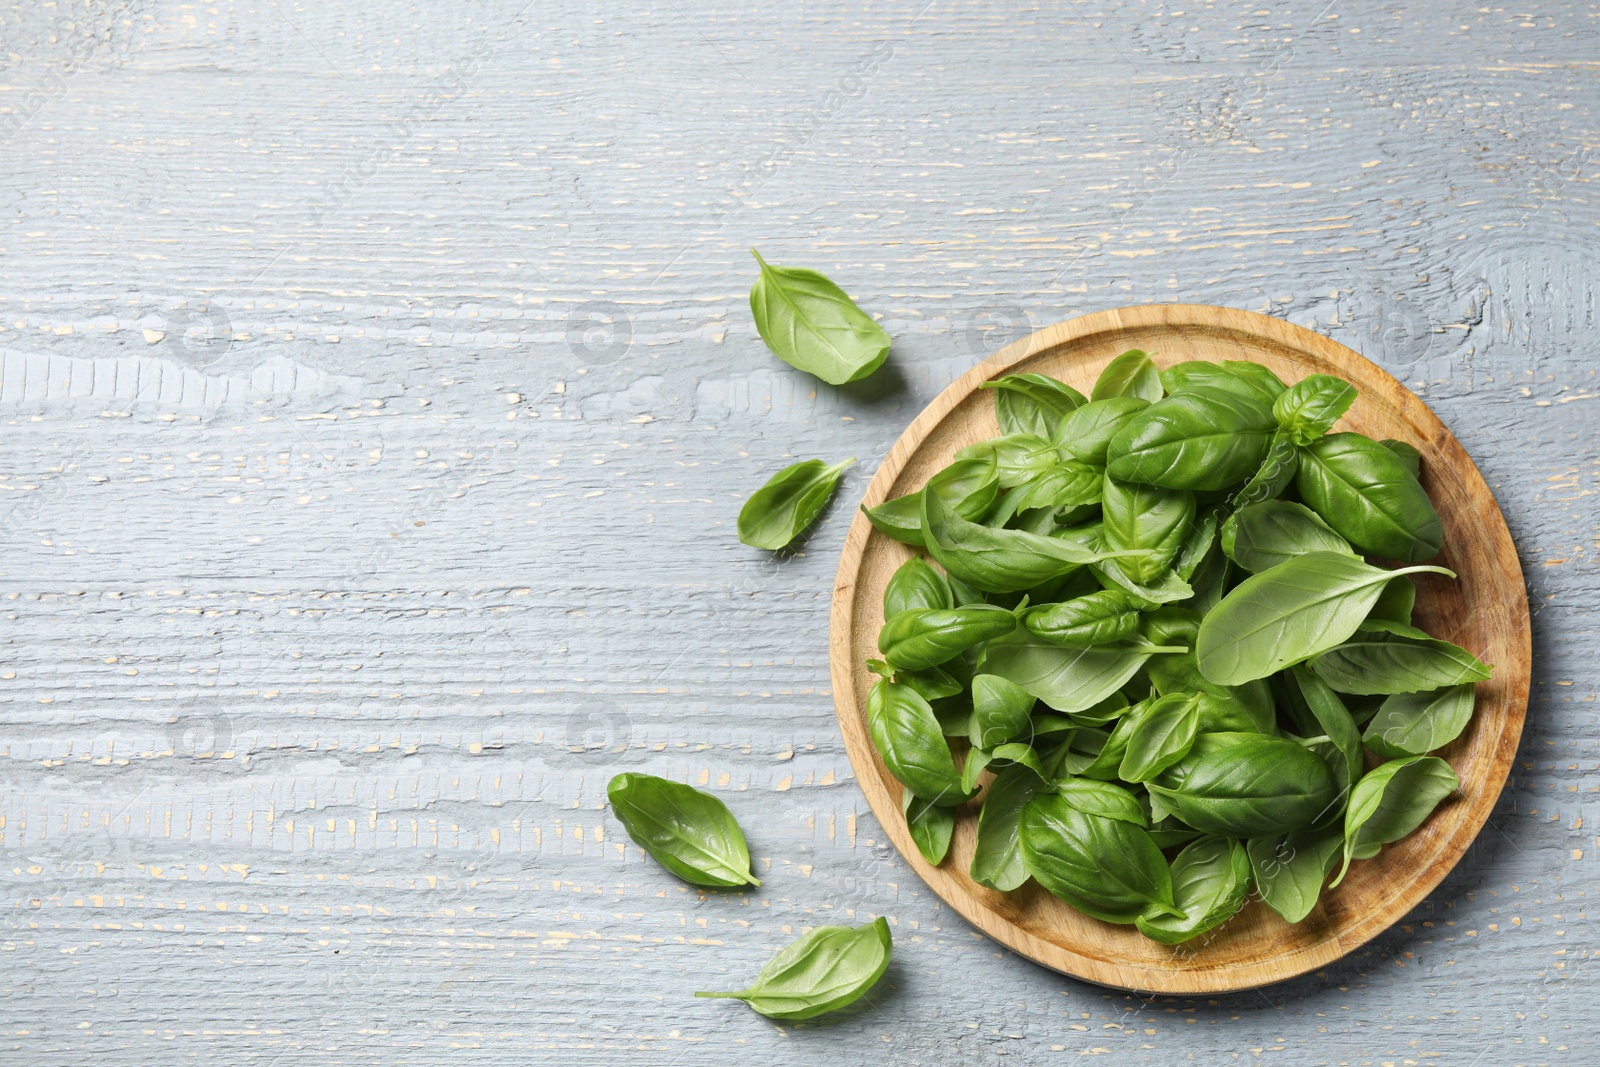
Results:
1163 735
829 968
1261 536
1303 606
1094 619
931 826
690 833
899 518
1145 518
1067 679
1290 868
1106 868
1245 785
1309 408
1033 404
1001 711
916 586
1411 724
1209 881
1087 432
811 324
1277 470
1102 798
1365 492
1206 439
1391 801
1130 374
912 745
1380 661
1251 381
997 854
790 502
916 640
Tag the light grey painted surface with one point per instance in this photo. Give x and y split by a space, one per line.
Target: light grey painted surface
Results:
299 625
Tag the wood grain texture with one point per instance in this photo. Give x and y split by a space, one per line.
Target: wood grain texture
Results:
1485 611
379 391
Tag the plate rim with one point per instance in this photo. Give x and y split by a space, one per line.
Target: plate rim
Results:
946 883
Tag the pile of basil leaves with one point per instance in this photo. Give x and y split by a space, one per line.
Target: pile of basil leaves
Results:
1153 623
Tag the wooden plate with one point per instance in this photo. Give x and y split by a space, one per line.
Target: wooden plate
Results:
1486 611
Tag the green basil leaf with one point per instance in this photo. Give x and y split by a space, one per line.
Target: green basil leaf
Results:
1087 432
1095 619
1390 802
1106 868
900 518
1264 535
1149 519
1018 458
1110 709
912 745
1411 724
1290 868
1163 735
917 640
1130 374
935 683
1366 493
1407 454
1197 543
1277 470
1250 381
954 714
1204 440
930 824
969 487
978 759
1067 679
1334 719
790 502
1210 879
690 833
1015 752
966 594
1107 762
810 324
1209 582
1245 785
914 586
997 854
1102 798
1396 602
829 968
1309 408
1064 485
1288 613
1033 404
1375 661
1001 711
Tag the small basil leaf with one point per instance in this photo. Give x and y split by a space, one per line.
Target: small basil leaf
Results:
1264 535
1096 619
1376 661
1033 404
1067 679
978 760
1130 374
1102 798
915 586
900 518
1390 802
1148 519
1309 408
1163 735
829 968
790 502
935 683
1087 432
1290 868
908 737
917 640
1277 470
931 826
1107 761
690 833
997 855
1334 719
1106 868
1366 493
1204 440
1210 879
1251 381
1411 724
1303 606
1245 785
1015 752
1001 711
809 323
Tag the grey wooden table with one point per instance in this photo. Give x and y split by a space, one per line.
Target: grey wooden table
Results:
378 390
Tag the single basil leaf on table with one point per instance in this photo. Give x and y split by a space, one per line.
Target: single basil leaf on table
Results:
1412 724
1210 879
1087 432
1106 868
1147 519
1033 404
1018 457
899 518
1396 602
1288 613
1391 801
1290 868
1109 801
917 640
1130 374
997 855
690 833
1245 785
1250 381
907 735
1204 440
829 968
1095 619
809 323
930 824
1275 474
1067 679
1309 408
1408 455
1376 661
1261 536
1365 493
1163 735
1001 711
789 503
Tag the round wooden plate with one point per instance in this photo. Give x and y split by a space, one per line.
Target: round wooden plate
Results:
1486 611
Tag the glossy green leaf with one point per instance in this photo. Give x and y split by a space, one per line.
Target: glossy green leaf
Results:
1333 719
1250 381
948 679
1018 458
788 504
1147 519
900 518
1366 493
1390 802
1243 708
1309 408
690 833
809 323
1106 868
1290 868
1067 679
908 737
916 586
827 969
1063 485
1203 440
1245 785
1379 661
931 826
1407 454
1087 432
1204 530
1303 606
1275 474
1001 711
1098 618
1210 879
916 640
1130 374
1412 724
1033 404
1261 536
1093 797
997 854
1396 602
1163 735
